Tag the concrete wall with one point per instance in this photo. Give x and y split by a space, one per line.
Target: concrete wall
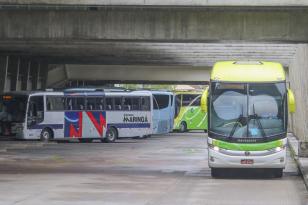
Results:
154 25
298 75
165 2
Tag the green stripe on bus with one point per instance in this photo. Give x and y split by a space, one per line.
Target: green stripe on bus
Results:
247 147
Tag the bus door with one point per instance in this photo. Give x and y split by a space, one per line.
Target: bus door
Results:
35 115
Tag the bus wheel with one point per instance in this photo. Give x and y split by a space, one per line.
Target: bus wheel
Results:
111 135
183 127
277 173
46 135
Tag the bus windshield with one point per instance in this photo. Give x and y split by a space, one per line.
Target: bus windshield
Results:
13 108
254 110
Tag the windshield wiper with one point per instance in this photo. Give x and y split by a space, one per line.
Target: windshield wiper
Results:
235 126
238 120
257 118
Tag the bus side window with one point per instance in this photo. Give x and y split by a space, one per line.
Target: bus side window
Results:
48 104
145 103
91 103
196 101
161 100
118 103
109 104
54 103
69 104
127 103
36 109
136 103
100 103
177 106
75 103
80 103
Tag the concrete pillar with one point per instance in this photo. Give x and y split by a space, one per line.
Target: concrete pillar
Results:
34 73
13 72
24 73
298 75
43 75
4 60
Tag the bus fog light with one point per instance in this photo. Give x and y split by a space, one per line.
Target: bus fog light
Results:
212 159
216 148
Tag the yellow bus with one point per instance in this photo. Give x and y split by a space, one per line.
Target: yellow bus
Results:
248 105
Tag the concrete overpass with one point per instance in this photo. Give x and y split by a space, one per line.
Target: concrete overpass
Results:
172 3
137 40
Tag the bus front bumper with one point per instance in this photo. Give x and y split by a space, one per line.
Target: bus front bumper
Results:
238 159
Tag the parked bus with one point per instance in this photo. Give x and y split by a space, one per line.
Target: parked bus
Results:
188 112
84 115
163 111
248 104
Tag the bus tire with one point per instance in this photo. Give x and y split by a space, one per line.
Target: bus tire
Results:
183 127
46 135
111 135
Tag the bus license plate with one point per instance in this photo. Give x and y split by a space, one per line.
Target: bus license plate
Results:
247 161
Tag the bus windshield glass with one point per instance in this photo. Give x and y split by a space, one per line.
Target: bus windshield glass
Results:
254 110
13 108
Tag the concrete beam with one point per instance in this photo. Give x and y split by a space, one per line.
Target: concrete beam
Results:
148 24
163 74
162 2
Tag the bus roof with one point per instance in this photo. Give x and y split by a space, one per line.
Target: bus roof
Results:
161 92
188 92
248 71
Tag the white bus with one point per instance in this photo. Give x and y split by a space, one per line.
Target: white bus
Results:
83 115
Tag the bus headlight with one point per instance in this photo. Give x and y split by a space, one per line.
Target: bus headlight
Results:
278 149
215 148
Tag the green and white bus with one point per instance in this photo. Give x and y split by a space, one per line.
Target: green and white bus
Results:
188 115
248 105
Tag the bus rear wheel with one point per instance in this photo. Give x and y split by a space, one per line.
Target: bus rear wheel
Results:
183 127
111 135
46 135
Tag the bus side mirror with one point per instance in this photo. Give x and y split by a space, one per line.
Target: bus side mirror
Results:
291 101
204 100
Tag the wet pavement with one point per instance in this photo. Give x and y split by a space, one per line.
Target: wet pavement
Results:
169 169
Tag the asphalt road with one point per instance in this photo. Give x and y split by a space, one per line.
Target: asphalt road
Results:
159 170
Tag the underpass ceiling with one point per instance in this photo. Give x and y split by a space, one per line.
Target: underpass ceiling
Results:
150 53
